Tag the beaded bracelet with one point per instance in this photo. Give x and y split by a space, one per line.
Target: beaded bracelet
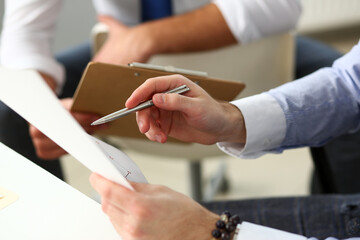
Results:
226 226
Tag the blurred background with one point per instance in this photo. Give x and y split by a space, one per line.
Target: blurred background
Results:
335 22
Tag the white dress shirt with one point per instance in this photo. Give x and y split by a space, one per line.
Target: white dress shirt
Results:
29 25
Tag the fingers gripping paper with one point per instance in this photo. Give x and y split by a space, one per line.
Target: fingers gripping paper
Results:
28 95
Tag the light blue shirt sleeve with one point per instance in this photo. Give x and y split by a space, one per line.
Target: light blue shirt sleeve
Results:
306 112
322 105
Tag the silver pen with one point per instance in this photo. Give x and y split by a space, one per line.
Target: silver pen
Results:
126 111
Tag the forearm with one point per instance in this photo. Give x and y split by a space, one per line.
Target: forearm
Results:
306 112
202 29
234 129
322 105
265 127
219 24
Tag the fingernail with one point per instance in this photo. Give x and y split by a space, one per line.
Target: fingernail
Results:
141 124
158 138
160 98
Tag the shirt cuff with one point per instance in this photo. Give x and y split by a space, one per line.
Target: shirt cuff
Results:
265 125
248 230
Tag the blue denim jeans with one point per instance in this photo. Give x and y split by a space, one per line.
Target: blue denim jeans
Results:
316 216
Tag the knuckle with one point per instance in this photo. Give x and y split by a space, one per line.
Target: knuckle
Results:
140 210
33 131
107 192
179 76
36 143
150 81
143 213
150 136
40 153
160 188
43 154
133 230
105 207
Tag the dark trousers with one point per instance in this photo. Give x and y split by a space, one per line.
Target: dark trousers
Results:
316 216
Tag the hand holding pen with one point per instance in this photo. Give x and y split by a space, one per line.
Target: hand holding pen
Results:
193 117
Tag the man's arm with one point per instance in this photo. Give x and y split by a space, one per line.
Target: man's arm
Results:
309 111
201 29
198 30
223 23
215 25
150 210
27 35
322 105
306 112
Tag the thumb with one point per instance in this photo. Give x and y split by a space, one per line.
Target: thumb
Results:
173 102
108 20
67 103
139 186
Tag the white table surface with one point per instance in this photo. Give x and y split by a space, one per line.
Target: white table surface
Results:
47 207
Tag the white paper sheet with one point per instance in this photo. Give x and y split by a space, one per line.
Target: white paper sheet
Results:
47 208
27 94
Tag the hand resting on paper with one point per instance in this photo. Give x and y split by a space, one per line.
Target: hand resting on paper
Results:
192 117
153 212
46 148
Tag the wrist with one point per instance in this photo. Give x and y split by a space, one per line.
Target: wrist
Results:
207 227
234 128
162 36
226 227
148 44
